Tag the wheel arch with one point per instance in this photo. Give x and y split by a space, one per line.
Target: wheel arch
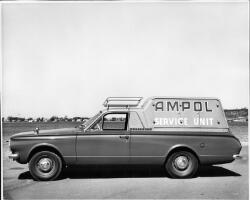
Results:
45 147
181 148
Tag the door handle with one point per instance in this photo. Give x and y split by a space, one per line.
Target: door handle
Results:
124 137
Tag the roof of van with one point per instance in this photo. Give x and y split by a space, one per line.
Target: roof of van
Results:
192 98
143 102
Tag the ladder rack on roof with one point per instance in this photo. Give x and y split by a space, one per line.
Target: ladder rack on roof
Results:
122 102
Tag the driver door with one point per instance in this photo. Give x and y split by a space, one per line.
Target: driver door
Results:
106 141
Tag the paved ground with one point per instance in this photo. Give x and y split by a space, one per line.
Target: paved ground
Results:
229 181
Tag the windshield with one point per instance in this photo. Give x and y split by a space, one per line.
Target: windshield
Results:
92 119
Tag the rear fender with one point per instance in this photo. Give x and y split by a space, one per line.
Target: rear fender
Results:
181 147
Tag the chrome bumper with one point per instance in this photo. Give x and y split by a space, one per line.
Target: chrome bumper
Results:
237 156
14 156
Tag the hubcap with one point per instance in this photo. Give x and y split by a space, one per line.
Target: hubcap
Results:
45 164
181 162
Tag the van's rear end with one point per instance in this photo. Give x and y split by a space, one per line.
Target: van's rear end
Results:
203 119
236 146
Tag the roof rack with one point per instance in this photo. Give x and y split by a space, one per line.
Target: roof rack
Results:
122 102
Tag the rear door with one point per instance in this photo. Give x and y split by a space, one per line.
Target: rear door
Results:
106 141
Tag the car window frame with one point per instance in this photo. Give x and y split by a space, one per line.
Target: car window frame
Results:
93 124
115 112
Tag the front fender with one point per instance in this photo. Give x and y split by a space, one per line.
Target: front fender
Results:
43 145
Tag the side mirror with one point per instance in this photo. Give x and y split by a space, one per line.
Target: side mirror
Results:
81 127
85 130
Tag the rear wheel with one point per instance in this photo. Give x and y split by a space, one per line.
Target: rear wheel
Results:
182 164
45 166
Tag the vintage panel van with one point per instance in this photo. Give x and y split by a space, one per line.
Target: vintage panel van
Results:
179 133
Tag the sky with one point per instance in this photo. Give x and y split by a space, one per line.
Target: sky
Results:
64 59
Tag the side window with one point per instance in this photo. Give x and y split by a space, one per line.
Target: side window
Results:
134 120
96 126
115 121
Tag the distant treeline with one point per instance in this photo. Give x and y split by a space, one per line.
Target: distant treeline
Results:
236 113
231 114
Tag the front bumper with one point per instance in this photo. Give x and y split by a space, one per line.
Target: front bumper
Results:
237 156
14 156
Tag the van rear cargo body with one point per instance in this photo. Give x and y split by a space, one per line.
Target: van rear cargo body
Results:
179 133
197 124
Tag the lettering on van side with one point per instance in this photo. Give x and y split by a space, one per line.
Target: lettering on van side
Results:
184 105
178 121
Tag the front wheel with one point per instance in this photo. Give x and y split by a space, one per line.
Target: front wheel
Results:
182 164
45 166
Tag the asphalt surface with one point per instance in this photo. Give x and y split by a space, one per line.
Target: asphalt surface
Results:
228 181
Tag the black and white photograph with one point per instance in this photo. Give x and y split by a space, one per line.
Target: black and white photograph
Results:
124 99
